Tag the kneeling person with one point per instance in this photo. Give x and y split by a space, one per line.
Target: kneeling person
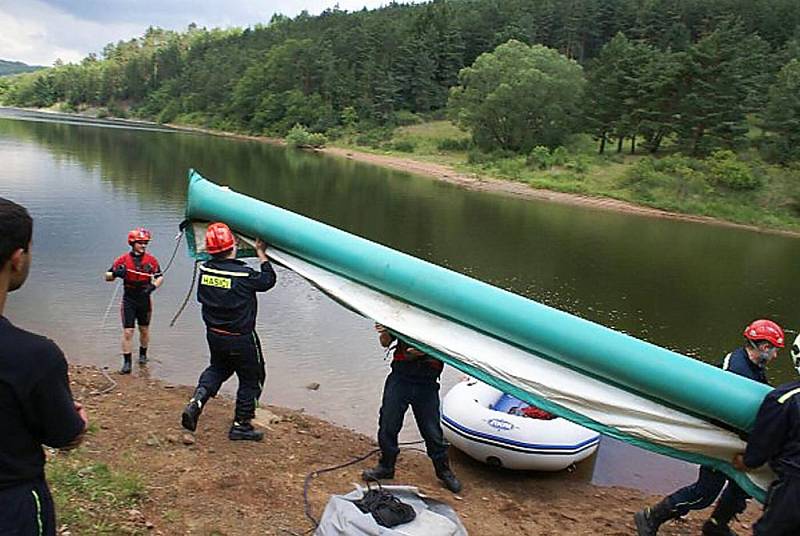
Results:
227 292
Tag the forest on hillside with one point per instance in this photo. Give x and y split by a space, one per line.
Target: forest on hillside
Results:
16 67
518 74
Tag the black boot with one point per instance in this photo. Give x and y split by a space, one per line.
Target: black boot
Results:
717 524
193 409
244 431
126 365
383 471
648 520
713 528
445 474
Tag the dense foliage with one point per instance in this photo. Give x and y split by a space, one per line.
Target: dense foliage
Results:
689 73
518 97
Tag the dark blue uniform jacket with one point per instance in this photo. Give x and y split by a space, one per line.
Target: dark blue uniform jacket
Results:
739 363
776 434
227 292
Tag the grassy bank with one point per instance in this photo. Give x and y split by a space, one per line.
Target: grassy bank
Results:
92 498
741 188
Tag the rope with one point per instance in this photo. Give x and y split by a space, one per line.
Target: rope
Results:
112 385
108 308
188 295
174 251
316 473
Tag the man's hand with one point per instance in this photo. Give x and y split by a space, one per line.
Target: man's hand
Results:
414 352
82 413
79 438
380 328
738 462
149 289
261 250
119 271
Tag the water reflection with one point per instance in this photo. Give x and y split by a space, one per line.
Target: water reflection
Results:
685 286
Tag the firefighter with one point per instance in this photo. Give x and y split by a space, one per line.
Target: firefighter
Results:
762 340
414 381
227 292
775 439
141 275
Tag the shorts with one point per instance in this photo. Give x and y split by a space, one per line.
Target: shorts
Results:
135 309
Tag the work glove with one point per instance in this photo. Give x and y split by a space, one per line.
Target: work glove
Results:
119 271
149 289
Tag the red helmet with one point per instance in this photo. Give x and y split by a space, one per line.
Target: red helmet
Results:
765 330
219 238
139 234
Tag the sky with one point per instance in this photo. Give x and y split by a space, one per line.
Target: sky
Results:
38 32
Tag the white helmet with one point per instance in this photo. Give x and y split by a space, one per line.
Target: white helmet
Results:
795 352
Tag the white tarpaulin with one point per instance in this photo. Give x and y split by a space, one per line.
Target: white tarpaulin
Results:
568 393
617 412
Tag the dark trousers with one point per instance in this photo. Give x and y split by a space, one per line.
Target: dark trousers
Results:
704 492
781 515
27 510
423 396
240 354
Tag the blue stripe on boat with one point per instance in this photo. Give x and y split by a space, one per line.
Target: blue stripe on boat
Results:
518 446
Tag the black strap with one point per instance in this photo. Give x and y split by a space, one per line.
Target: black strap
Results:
387 510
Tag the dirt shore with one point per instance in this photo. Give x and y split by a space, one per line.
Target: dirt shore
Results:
204 484
525 191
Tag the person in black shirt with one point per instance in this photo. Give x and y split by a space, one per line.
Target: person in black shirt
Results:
414 381
776 439
36 405
227 292
763 338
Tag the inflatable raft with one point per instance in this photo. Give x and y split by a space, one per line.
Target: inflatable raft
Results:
495 428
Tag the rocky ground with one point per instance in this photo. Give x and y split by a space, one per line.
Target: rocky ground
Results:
204 484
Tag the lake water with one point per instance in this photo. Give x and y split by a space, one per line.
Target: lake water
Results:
685 286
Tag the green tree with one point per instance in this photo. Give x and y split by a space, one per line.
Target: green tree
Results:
658 98
782 116
721 80
614 99
518 97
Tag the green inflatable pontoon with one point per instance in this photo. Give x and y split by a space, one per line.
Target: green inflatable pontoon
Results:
605 380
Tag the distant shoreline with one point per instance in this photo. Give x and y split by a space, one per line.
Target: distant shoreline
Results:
446 174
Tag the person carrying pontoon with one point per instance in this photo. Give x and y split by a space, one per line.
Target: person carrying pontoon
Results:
763 339
414 381
227 292
776 439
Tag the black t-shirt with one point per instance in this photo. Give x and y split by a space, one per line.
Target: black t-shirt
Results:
36 406
227 291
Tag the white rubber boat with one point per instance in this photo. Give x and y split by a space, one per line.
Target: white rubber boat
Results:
491 427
